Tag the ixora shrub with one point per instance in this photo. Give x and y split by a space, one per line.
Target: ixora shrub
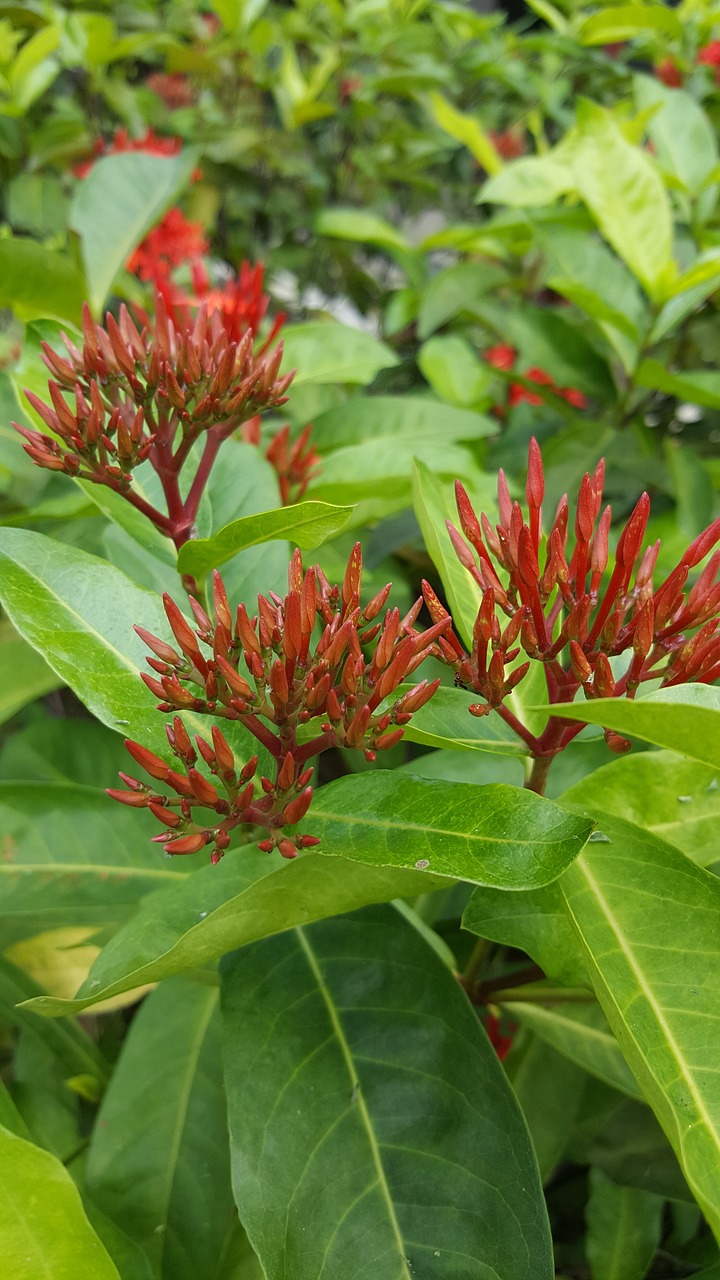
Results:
311 1084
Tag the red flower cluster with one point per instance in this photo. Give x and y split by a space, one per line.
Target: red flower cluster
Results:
670 73
241 304
288 682
563 616
152 143
509 144
171 243
296 463
173 87
503 357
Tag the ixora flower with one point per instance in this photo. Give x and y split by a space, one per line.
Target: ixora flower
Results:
152 143
267 673
172 242
503 357
567 616
131 395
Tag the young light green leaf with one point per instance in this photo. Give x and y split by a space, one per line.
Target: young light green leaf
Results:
624 1227
528 182
363 226
674 798
647 921
684 140
688 722
451 291
467 130
325 351
498 836
117 204
249 895
701 386
625 21
455 373
45 1234
158 1162
366 1045
307 524
37 282
625 194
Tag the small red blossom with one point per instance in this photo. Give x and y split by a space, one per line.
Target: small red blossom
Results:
172 242
173 87
510 144
151 143
500 1041
503 357
268 673
241 303
562 613
709 56
669 72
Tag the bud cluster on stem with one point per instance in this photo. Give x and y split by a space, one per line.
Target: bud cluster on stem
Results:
315 659
133 394
578 609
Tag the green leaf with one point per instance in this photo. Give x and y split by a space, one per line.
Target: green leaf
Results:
674 798
349 1046
31 675
684 140
249 895
535 922
78 611
45 1234
307 524
693 487
454 371
158 1163
624 1226
690 724
549 1089
38 282
63 1042
445 721
581 1033
467 130
499 836
73 857
451 291
529 181
383 471
119 510
700 386
363 226
625 21
397 418
625 194
647 920
325 351
118 202
434 504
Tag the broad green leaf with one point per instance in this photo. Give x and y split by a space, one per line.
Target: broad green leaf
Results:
249 895
348 1047
433 502
694 498
70 749
397 418
625 194
78 611
624 1226
361 225
158 1163
647 921
625 21
684 140
701 386
623 1138
498 836
454 372
445 721
467 130
73 856
37 282
703 273
535 922
121 512
580 1032
43 1229
31 675
63 1042
117 204
672 797
529 181
307 524
452 290
383 470
690 725
325 351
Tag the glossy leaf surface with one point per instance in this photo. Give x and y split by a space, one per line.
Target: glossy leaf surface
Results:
307 524
685 719
353 1065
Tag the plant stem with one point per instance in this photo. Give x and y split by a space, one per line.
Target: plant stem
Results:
537 778
472 969
543 995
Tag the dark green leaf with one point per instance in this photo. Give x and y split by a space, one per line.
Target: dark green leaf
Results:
580 1032
31 675
367 1049
331 352
623 1229
398 418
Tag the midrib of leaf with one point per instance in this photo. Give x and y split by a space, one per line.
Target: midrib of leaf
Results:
353 1077
187 1084
683 1068
617 1254
387 823
22 1223
102 870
